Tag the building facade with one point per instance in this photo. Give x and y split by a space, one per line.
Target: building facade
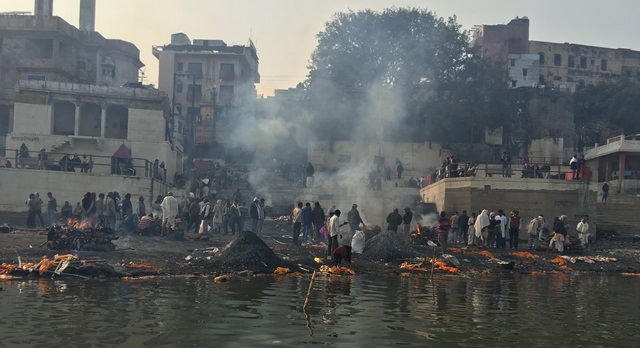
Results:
207 80
94 121
42 47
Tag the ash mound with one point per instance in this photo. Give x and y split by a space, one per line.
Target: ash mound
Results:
388 246
246 252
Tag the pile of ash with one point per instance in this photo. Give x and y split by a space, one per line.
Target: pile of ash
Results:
388 246
246 252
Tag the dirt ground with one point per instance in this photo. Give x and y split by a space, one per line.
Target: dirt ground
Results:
138 256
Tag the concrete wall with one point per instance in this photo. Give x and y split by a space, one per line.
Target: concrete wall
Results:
547 149
497 41
529 196
16 184
346 154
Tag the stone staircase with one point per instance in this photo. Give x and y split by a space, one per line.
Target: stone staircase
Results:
621 213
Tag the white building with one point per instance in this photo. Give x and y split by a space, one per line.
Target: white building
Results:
524 70
66 118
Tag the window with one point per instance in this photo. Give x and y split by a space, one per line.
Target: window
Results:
638 76
195 68
541 54
81 64
583 62
179 109
628 73
557 59
514 83
37 48
541 79
227 71
179 66
194 93
593 62
512 62
603 64
525 72
179 127
179 87
557 78
571 62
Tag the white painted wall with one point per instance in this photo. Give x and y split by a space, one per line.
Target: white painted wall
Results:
530 62
32 118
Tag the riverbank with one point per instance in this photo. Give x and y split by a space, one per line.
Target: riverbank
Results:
140 256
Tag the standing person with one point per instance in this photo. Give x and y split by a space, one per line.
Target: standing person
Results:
296 218
77 211
170 210
234 217
31 210
226 216
141 208
66 212
307 220
262 213
206 215
605 192
331 210
505 159
463 227
244 212
354 219
255 215
493 230
532 228
157 208
193 215
453 233
400 169
583 233
407 217
573 163
334 230
394 220
38 209
309 178
444 225
127 206
218 216
503 229
318 221
543 228
100 208
559 234
481 226
581 167
42 159
52 208
110 211
515 224
471 230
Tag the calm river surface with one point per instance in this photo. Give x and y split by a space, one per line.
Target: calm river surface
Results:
358 311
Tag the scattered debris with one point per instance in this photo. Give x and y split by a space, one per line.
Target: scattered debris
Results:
336 270
281 271
222 279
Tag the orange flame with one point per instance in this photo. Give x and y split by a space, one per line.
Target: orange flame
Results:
75 223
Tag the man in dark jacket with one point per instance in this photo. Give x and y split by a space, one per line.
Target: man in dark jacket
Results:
406 224
354 219
318 220
253 212
307 220
394 220
463 227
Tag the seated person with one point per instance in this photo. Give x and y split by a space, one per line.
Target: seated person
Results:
343 252
149 226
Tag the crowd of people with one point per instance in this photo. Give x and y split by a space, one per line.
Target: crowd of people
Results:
451 168
486 229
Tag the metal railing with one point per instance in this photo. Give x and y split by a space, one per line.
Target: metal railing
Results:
84 163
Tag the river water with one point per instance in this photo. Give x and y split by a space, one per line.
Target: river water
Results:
356 311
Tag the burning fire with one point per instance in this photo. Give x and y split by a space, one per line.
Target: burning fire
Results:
75 223
417 233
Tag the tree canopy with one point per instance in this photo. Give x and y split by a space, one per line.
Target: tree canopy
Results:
408 71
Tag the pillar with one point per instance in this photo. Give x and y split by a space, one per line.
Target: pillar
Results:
103 121
77 125
621 169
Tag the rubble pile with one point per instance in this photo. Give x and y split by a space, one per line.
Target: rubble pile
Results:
87 238
246 252
388 246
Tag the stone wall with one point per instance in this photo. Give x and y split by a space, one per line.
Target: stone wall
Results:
16 184
531 197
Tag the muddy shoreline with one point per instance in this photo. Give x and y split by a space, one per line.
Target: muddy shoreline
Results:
143 256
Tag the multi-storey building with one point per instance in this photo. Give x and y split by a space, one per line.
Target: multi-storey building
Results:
561 66
43 47
207 80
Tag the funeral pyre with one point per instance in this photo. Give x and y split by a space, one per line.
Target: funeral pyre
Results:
76 235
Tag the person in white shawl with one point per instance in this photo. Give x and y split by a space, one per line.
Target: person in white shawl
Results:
481 226
169 208
583 232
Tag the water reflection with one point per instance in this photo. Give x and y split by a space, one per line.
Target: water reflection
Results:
506 311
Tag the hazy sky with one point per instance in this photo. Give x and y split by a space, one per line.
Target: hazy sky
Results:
284 31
